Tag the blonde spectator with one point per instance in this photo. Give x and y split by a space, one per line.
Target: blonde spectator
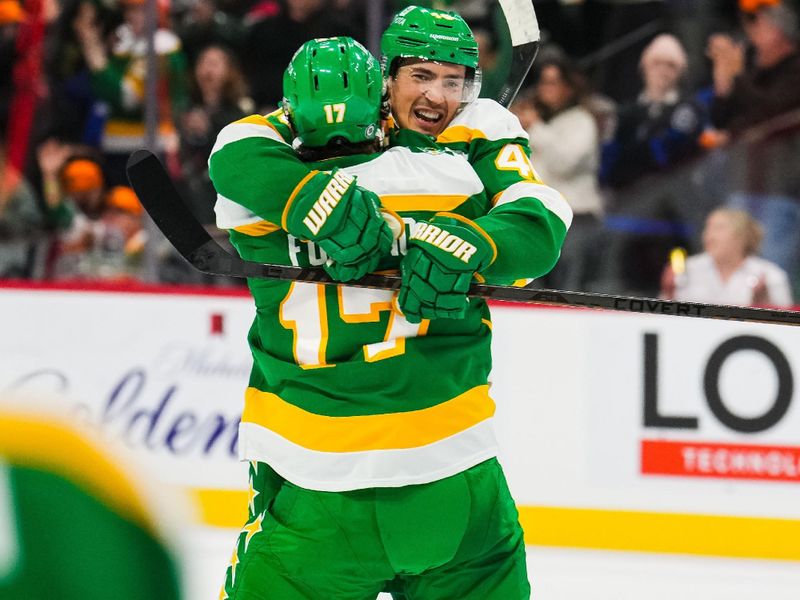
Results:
729 271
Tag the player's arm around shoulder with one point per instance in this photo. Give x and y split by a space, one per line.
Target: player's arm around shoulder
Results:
483 119
527 220
252 164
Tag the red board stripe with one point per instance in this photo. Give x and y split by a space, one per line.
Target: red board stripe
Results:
718 460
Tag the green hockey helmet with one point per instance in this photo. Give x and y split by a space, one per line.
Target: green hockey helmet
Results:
435 35
332 89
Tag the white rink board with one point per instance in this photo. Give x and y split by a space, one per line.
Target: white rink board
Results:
571 409
155 372
144 368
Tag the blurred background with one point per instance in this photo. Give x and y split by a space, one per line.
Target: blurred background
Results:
651 457
646 114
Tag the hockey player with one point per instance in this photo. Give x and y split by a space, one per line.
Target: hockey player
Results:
418 45
430 66
370 436
74 523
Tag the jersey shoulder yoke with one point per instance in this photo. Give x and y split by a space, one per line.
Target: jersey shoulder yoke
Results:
483 119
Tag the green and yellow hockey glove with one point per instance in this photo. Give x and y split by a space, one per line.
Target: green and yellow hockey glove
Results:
353 271
442 258
344 220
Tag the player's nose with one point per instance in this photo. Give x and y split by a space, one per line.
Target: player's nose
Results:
434 94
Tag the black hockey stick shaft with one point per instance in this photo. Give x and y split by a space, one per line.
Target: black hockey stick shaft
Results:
163 202
523 26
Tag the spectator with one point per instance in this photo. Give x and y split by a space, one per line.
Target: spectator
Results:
69 110
111 247
99 231
73 182
119 78
204 25
21 221
662 127
745 95
766 182
565 153
728 271
120 250
60 209
219 97
274 31
74 188
654 136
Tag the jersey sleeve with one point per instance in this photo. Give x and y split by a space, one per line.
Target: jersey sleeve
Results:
255 172
528 224
528 220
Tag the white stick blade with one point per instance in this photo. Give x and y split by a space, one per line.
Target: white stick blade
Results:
521 20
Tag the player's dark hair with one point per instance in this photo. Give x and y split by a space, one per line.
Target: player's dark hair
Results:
338 146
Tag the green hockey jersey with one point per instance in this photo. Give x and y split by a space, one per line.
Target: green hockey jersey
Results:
345 393
73 524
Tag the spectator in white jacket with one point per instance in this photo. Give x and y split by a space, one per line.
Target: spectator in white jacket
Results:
565 153
728 271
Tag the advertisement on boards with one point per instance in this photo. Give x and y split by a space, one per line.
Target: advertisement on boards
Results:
634 432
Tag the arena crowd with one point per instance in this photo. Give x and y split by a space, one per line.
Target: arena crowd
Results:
672 128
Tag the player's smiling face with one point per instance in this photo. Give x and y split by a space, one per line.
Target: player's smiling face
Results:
425 95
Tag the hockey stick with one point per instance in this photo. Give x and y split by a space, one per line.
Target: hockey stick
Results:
165 206
524 29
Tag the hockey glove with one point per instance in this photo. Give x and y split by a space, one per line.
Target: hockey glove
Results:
442 258
344 220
